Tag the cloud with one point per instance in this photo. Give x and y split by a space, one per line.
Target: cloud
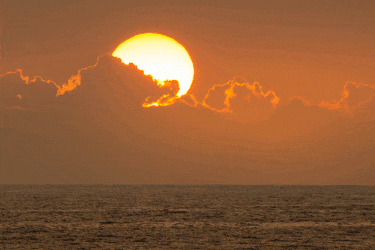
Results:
108 133
246 101
296 117
157 93
17 90
109 73
368 105
109 79
352 97
236 99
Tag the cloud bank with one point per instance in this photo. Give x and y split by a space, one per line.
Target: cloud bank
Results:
102 126
245 101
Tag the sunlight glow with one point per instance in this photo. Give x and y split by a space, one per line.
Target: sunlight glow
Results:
159 56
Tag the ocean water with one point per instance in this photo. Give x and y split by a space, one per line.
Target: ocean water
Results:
187 217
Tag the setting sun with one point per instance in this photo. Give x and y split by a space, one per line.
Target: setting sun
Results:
159 56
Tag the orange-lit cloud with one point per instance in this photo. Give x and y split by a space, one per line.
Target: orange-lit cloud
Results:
74 80
368 105
241 98
352 97
107 126
17 90
297 116
190 100
26 79
221 97
156 94
236 98
170 89
15 86
304 102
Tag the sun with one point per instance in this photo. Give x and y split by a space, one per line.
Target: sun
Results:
159 56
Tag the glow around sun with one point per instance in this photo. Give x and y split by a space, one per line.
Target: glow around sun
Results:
159 56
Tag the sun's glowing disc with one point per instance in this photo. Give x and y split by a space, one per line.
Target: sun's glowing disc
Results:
159 56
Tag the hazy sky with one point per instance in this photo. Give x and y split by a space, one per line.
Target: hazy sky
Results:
315 59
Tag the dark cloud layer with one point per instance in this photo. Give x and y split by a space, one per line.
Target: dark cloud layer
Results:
94 129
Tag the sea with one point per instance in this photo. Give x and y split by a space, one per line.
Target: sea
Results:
186 217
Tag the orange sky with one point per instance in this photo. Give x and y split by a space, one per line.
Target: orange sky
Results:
283 94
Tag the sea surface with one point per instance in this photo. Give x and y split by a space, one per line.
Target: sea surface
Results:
186 217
